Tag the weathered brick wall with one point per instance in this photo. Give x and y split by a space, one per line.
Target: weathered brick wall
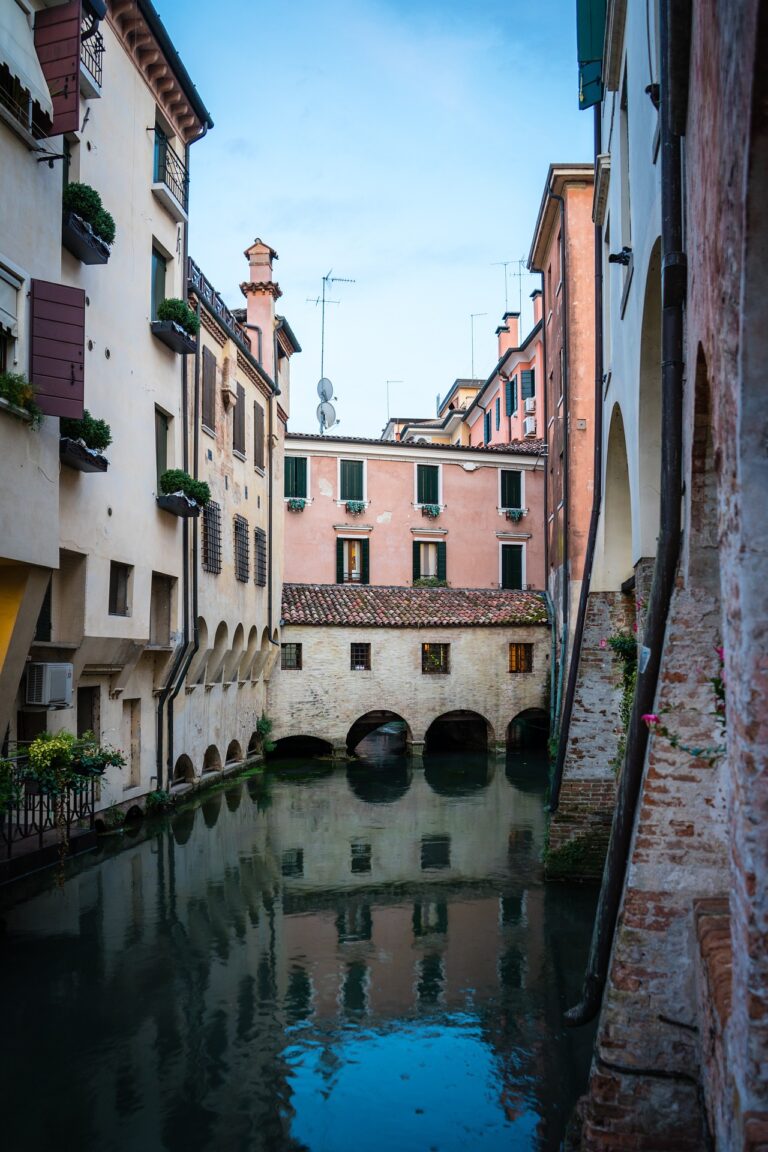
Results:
588 790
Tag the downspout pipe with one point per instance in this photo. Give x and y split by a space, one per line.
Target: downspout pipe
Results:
668 553
566 465
578 632
271 497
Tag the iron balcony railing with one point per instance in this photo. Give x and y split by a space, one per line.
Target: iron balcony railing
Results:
170 169
92 50
203 288
33 813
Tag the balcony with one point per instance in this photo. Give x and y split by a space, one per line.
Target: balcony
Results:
171 179
91 60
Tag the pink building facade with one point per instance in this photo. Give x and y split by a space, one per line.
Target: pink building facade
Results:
507 408
394 513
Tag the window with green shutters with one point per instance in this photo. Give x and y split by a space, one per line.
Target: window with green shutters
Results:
352 561
528 383
429 560
487 428
351 480
511 489
498 413
427 484
296 477
512 566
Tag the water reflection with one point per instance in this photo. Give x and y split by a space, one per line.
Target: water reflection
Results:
317 969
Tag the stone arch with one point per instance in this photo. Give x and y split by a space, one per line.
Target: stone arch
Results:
618 507
234 752
196 670
217 658
211 808
234 656
212 759
380 784
649 409
528 729
380 720
272 654
459 729
183 770
260 658
301 744
249 655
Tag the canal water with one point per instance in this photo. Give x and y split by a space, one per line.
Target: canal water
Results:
328 959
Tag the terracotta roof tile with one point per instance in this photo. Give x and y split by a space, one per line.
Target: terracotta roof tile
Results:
373 606
520 447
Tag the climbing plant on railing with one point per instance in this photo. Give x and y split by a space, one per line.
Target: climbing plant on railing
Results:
711 752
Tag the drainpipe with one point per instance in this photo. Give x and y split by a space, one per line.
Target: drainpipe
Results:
566 463
668 552
271 494
578 632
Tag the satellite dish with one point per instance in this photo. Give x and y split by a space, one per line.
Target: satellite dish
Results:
325 390
326 414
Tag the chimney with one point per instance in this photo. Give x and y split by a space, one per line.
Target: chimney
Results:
538 305
508 332
261 291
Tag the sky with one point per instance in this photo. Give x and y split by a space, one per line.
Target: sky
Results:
403 146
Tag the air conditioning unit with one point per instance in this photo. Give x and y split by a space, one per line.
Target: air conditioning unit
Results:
530 405
49 685
529 426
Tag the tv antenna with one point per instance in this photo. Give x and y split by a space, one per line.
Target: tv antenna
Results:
322 300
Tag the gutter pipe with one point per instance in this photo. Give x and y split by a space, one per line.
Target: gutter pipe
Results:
668 552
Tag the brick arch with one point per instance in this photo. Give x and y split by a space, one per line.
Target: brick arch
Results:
459 728
373 721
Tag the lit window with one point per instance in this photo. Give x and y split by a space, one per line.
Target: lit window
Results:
290 657
352 561
521 657
360 657
435 659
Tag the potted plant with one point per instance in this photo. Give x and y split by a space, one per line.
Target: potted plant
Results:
355 507
83 441
296 504
515 513
88 230
181 494
19 397
177 325
432 511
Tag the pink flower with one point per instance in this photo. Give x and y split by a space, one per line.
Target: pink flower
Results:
650 718
603 643
634 626
720 653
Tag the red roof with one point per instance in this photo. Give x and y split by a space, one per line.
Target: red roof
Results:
515 447
372 606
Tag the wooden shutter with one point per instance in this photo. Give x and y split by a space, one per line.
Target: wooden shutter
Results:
365 562
487 428
528 383
416 560
238 426
511 565
289 475
508 397
441 560
57 43
57 337
209 389
258 435
351 480
511 489
426 484
301 477
498 413
339 561
514 394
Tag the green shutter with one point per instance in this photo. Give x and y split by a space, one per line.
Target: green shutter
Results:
351 480
441 560
339 561
590 33
498 413
514 394
295 473
426 484
289 475
365 562
508 397
528 383
511 565
511 489
416 560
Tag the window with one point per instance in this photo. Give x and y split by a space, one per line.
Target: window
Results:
260 557
435 853
512 565
238 423
360 657
242 558
510 394
511 489
211 552
354 923
351 485
430 917
435 659
9 304
352 561
497 407
521 658
160 610
290 657
209 390
159 264
296 477
161 442
292 862
258 436
44 626
429 559
119 589
427 484
528 383
487 428
359 857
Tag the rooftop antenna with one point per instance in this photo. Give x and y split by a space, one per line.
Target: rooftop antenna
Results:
522 270
504 264
472 318
322 300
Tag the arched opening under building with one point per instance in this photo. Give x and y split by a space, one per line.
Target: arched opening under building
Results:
527 767
382 782
458 731
618 507
234 752
212 759
378 734
300 748
183 771
182 824
529 729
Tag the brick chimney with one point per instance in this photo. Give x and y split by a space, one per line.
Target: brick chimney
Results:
538 305
508 332
261 291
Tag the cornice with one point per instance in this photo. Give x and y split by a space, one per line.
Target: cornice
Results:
266 287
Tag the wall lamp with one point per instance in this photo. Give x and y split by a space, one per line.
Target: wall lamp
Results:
622 257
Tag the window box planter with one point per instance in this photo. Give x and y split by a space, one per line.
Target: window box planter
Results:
75 454
178 504
431 511
173 336
79 238
296 504
355 507
515 514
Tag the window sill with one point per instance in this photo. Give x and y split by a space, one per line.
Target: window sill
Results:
240 455
208 431
260 471
13 410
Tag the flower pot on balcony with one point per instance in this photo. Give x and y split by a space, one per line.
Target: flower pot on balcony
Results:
173 336
178 504
79 238
296 504
75 454
431 511
515 514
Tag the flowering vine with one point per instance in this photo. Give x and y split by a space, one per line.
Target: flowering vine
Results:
712 753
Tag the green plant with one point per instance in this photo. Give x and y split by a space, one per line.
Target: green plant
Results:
95 434
264 727
112 818
296 504
623 644
179 312
17 390
515 514
158 801
10 786
430 510
355 507
85 202
712 753
430 582
61 761
177 480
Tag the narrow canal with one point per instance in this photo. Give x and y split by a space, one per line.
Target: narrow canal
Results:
332 959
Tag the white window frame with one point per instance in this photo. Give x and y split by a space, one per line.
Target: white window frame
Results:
524 565
346 541
298 456
432 543
501 507
439 467
354 459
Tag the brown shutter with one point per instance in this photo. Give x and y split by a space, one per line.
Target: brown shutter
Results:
239 424
57 337
258 435
209 389
57 42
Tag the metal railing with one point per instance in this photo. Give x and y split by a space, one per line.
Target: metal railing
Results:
170 169
208 294
36 813
91 50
